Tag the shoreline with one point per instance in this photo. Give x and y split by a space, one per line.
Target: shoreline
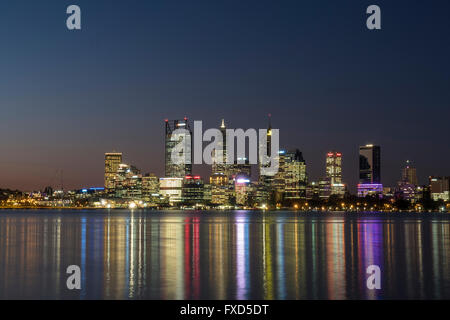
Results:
3 209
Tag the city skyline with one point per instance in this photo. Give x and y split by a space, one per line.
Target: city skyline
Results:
330 83
207 170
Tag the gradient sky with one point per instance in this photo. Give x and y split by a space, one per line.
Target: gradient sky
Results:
66 97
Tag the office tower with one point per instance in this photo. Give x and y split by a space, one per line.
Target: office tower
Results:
219 189
370 171
244 190
334 167
265 186
219 165
150 189
221 172
267 179
178 132
239 168
324 188
171 188
409 174
312 191
295 179
193 191
369 164
334 173
128 182
112 162
150 184
279 179
439 188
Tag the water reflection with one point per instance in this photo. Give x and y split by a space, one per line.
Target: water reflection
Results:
240 255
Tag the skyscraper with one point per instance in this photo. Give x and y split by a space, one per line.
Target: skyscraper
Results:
112 162
334 167
219 165
439 188
369 171
369 164
294 175
334 173
409 173
178 132
266 181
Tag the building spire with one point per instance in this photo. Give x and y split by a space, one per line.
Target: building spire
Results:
223 124
270 121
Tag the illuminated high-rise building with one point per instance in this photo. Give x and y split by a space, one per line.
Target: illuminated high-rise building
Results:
150 184
334 173
219 189
171 188
128 182
334 167
193 191
279 179
221 171
265 186
112 162
178 132
409 174
244 190
370 171
369 164
295 178
219 157
241 166
439 188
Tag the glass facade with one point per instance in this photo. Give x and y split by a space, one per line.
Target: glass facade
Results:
369 164
178 132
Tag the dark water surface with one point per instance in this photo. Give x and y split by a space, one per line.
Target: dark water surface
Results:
223 255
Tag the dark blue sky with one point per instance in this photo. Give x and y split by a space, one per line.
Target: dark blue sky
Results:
66 97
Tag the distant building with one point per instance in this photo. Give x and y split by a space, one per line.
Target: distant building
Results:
295 178
150 187
207 194
324 188
178 131
409 173
334 173
171 188
241 166
279 179
193 191
312 191
407 186
128 182
388 192
112 162
265 185
334 167
369 164
219 157
439 188
219 189
244 190
406 191
370 189
370 171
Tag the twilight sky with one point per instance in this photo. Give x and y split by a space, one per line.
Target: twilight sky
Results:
66 97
